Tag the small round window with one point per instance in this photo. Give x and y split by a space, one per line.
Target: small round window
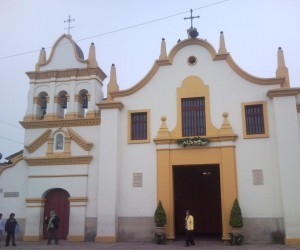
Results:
192 60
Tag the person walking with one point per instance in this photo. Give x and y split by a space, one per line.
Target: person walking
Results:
2 225
189 229
10 227
52 226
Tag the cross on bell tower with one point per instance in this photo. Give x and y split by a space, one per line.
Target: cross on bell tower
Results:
192 32
69 20
191 17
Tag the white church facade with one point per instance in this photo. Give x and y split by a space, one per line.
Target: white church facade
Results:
103 163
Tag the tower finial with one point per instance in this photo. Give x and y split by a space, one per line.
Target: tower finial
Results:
222 48
112 85
163 50
42 59
92 62
282 70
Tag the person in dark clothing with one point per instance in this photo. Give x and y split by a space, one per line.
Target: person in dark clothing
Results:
10 227
52 226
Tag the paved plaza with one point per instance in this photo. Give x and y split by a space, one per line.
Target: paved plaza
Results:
171 245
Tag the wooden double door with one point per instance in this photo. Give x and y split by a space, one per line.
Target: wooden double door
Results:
57 200
198 188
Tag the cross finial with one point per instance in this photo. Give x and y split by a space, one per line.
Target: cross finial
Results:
69 20
191 17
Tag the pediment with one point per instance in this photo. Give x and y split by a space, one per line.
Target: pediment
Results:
49 137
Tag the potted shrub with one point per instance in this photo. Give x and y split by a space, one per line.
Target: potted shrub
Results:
236 223
160 220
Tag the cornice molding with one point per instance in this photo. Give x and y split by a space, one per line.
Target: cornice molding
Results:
56 74
61 123
47 161
32 147
283 92
110 105
79 140
141 83
58 176
251 78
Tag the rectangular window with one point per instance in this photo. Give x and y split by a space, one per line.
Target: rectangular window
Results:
193 116
138 126
255 120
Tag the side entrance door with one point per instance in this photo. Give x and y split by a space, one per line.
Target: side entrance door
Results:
57 200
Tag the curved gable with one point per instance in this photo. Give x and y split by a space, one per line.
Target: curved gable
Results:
65 54
215 57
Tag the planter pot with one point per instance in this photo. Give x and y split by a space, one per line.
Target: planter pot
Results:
159 230
236 230
160 235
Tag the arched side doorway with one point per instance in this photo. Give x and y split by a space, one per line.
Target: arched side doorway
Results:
57 200
197 188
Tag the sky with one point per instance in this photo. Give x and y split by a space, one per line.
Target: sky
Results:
128 34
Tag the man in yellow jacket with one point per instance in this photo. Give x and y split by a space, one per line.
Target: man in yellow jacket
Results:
189 228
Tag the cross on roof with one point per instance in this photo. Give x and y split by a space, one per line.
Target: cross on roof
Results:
191 17
69 20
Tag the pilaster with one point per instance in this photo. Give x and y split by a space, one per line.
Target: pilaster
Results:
288 154
34 219
107 222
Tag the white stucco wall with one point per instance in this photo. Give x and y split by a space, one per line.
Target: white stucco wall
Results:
227 92
63 57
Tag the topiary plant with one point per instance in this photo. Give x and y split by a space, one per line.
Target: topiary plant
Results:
160 217
236 218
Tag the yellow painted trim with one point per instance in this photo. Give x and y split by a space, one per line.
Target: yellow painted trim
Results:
110 105
58 176
223 156
33 238
130 112
67 122
283 92
65 73
193 87
251 78
46 161
215 57
266 124
78 199
79 140
14 160
106 239
78 238
31 206
35 200
139 85
39 141
292 241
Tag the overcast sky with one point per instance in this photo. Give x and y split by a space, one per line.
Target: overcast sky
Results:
128 34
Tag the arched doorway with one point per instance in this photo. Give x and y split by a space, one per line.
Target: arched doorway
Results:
57 200
197 187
